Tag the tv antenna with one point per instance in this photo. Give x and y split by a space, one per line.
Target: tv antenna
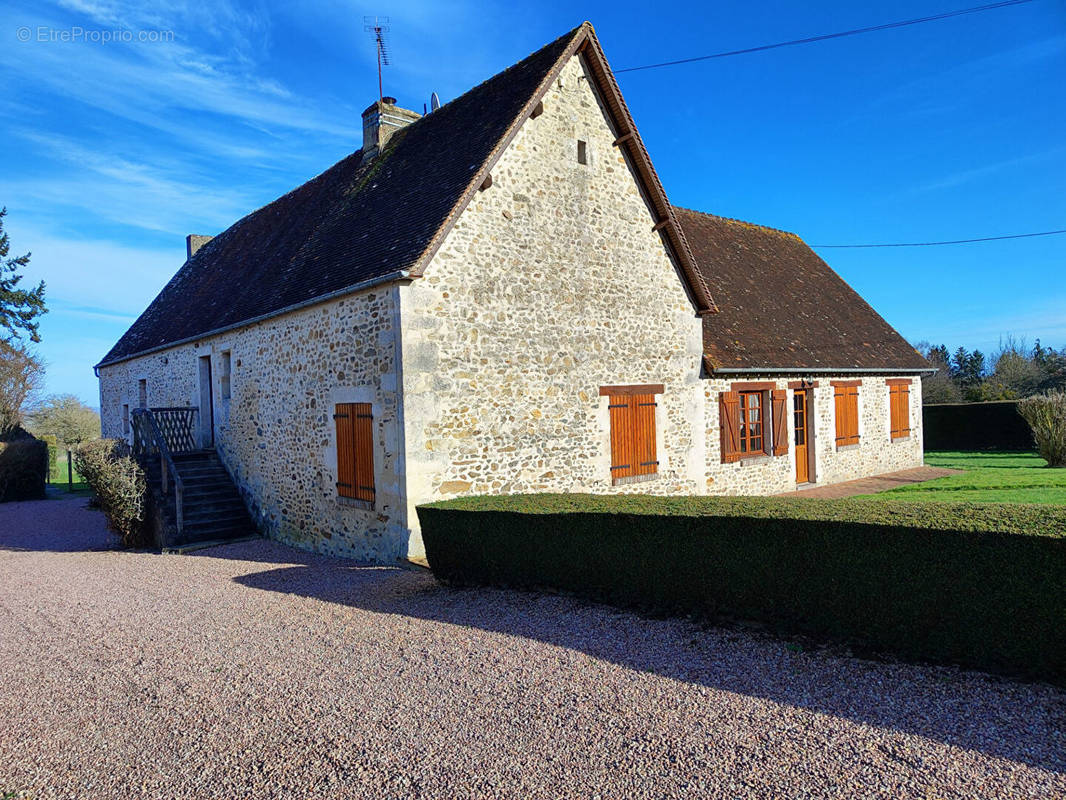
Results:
379 26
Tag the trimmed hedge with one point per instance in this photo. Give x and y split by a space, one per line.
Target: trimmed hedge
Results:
981 585
976 426
23 467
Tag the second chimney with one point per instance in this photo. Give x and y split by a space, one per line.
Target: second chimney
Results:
194 242
381 121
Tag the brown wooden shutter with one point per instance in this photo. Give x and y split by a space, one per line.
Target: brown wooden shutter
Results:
846 405
363 428
900 416
623 459
729 422
839 413
853 415
905 410
343 418
779 401
643 415
355 451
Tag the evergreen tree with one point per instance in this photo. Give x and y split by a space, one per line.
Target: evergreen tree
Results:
19 308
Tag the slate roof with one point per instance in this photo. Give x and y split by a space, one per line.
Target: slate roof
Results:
781 306
353 223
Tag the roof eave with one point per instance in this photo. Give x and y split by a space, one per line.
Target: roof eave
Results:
819 370
392 277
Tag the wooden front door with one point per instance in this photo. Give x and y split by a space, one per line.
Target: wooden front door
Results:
801 415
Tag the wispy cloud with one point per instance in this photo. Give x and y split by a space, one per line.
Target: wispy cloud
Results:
101 275
150 83
166 195
964 176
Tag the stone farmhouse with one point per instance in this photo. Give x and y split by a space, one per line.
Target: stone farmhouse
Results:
498 297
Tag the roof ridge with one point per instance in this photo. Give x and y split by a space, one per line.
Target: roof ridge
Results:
569 34
734 220
422 118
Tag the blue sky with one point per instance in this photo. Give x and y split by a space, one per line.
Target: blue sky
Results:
113 151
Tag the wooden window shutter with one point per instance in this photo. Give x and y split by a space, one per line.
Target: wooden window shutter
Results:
729 422
846 406
623 459
853 414
355 451
899 410
363 426
342 417
905 410
779 402
840 408
633 445
643 416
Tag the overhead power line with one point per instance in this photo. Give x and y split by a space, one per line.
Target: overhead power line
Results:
932 244
825 36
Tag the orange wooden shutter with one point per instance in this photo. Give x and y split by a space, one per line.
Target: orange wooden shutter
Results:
852 401
899 397
623 459
643 416
840 413
343 418
355 451
846 406
855 414
904 410
729 422
779 400
893 411
363 428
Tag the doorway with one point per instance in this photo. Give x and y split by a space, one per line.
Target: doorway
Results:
801 412
207 404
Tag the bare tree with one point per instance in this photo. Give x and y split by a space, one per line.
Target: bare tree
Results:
68 418
21 375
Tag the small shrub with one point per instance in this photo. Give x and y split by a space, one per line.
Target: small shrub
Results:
1046 415
119 484
23 467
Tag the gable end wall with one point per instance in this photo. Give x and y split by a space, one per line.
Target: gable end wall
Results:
551 284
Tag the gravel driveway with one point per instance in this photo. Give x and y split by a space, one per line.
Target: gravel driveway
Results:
258 671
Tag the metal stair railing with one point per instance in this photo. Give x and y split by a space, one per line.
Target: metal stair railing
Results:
150 440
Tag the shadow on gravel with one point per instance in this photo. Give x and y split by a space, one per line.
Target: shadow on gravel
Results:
55 525
1017 721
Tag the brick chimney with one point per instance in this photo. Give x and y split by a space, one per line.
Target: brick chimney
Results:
381 121
194 242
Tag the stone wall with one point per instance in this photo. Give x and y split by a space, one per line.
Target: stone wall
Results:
551 285
276 433
876 452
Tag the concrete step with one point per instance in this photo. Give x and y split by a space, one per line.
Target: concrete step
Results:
211 492
218 532
192 547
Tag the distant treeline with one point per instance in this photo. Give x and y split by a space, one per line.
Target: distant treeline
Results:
1014 371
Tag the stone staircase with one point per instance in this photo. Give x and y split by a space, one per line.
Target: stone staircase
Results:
213 510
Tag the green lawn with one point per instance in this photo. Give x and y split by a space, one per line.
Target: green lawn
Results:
59 478
989 478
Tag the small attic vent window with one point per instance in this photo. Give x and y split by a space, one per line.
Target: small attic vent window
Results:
582 152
